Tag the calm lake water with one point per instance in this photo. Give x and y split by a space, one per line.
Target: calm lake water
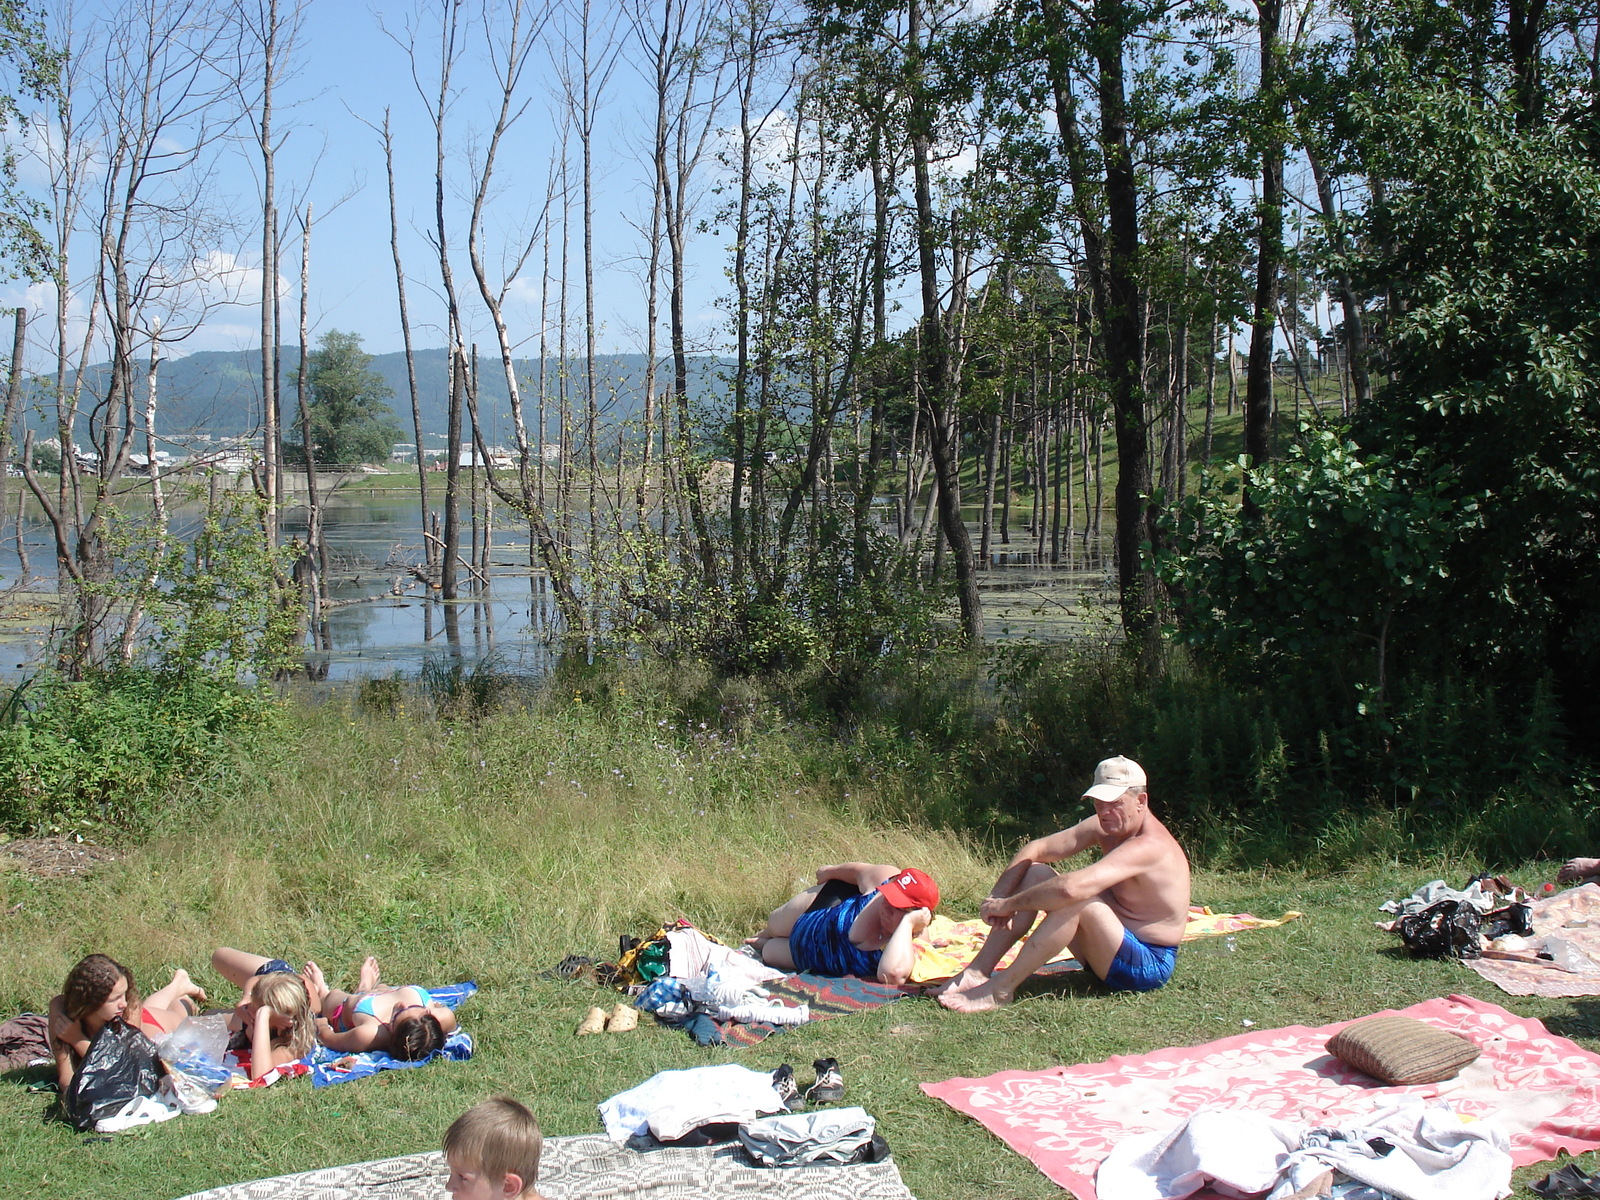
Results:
372 537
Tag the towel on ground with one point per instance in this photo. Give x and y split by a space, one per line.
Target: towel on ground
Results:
1572 916
588 1167
332 1066
947 946
1543 1090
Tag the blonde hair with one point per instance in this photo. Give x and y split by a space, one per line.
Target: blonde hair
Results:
286 994
498 1137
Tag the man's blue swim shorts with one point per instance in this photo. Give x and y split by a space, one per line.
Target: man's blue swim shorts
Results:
1140 967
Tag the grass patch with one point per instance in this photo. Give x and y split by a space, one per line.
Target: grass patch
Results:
489 848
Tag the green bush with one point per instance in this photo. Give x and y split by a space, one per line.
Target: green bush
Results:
113 748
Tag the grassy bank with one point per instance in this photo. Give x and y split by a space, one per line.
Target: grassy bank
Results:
488 849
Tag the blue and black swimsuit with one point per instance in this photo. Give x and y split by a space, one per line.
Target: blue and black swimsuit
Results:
820 941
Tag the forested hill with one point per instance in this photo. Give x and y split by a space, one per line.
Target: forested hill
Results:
217 392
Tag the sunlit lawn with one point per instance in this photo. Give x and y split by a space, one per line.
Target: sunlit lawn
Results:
490 851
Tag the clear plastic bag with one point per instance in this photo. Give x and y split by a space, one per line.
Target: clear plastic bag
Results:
195 1053
1568 957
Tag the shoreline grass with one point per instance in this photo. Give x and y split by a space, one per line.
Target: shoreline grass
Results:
488 849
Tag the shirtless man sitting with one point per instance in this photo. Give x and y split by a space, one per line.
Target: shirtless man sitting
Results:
859 920
1121 916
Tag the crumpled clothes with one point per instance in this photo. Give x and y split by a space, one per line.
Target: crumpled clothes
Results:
795 1139
1433 892
694 955
671 1103
24 1041
675 1001
1410 1151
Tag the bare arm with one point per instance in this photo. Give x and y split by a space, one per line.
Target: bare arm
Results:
264 1056
365 1035
66 1039
1127 860
898 957
865 876
1055 848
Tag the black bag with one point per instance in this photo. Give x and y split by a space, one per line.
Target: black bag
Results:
1513 918
121 1065
1448 928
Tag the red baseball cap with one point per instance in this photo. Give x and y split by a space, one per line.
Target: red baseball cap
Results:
911 888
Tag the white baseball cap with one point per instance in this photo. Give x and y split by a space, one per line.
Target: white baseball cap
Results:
1113 777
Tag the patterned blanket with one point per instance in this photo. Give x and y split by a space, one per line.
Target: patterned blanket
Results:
1543 1090
947 946
589 1168
1573 915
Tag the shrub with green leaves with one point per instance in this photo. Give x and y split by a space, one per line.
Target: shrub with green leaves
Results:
111 749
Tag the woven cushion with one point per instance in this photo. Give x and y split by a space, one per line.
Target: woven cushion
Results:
1402 1050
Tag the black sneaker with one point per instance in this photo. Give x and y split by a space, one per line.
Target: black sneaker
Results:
788 1090
829 1086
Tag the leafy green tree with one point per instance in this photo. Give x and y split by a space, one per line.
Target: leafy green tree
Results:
1451 531
350 422
29 66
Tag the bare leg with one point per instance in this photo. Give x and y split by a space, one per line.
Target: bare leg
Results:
1091 930
236 966
178 994
780 924
775 953
1001 938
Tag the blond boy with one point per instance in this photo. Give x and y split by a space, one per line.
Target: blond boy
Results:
493 1151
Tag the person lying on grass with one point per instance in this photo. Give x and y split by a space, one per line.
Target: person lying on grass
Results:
274 1019
860 919
100 990
1122 916
406 1022
493 1151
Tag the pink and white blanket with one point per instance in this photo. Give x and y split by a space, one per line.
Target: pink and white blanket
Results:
1543 1090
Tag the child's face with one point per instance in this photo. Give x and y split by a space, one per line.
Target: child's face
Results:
114 1005
469 1183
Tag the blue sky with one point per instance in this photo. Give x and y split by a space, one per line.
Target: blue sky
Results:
346 71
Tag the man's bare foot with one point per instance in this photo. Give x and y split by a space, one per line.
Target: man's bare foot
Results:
964 982
369 975
1579 868
986 998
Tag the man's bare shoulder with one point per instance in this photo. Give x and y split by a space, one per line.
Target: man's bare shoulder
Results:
1153 845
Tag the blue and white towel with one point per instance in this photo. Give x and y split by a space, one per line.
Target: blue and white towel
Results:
332 1066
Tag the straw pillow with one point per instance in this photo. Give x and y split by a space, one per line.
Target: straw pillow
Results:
1402 1050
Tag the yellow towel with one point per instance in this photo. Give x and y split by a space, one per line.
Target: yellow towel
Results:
947 946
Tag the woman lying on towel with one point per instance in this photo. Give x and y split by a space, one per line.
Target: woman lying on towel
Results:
100 990
405 1022
273 1019
859 920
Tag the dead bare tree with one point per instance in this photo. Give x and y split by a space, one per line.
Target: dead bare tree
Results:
511 41
147 117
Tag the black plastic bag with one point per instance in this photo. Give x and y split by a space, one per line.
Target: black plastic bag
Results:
121 1065
1514 918
1447 929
